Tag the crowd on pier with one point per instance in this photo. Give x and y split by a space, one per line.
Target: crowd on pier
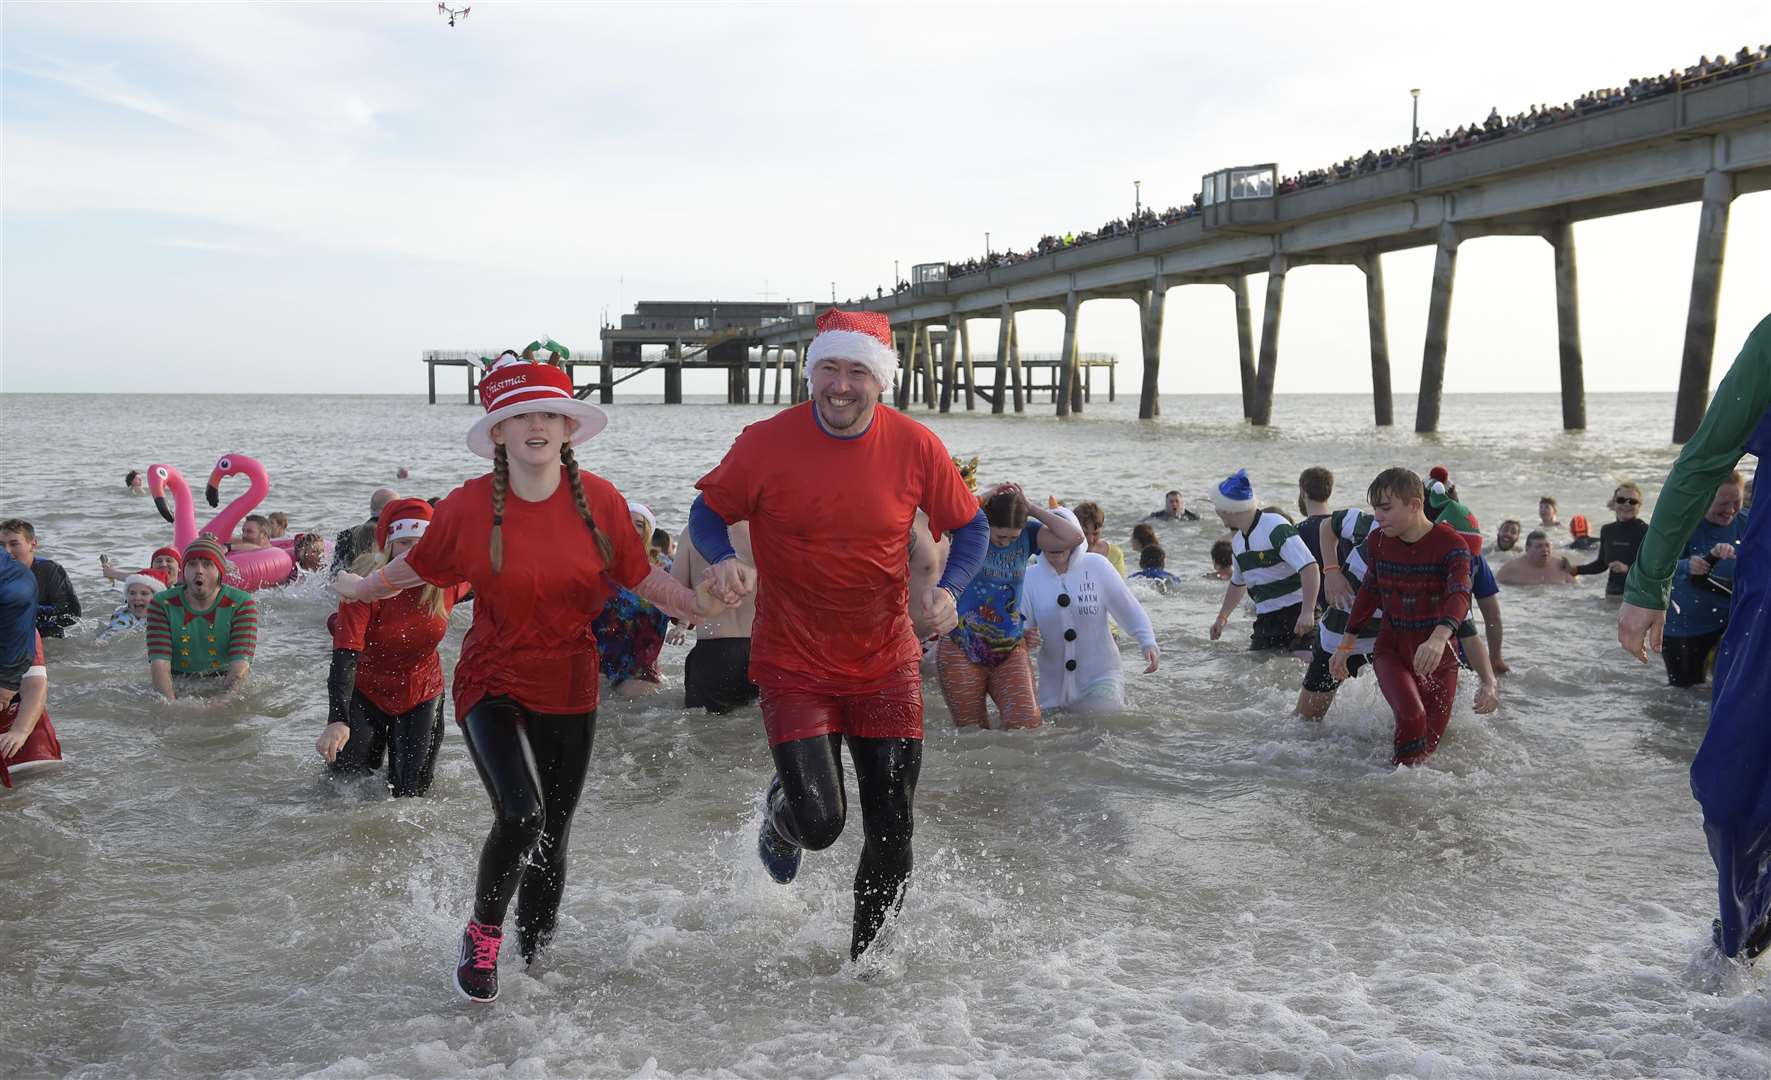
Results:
1706 70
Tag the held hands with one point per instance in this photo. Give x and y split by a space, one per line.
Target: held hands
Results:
731 581
1618 567
1337 590
939 616
346 586
1639 629
1427 657
1151 656
1217 627
711 598
332 740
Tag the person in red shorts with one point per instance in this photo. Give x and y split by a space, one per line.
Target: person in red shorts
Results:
1420 576
830 489
385 689
27 738
542 544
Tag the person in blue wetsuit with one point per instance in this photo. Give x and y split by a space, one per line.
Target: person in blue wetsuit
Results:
1698 613
1731 775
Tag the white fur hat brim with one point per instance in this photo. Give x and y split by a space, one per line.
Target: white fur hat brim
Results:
1227 505
591 420
880 358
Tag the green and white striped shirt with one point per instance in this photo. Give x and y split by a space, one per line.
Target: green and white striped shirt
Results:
1351 526
1269 558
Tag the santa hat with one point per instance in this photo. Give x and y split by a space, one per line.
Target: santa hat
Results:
864 337
1235 494
153 579
402 519
1439 473
208 548
515 386
170 552
642 510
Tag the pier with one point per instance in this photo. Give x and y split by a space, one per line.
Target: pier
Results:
1708 143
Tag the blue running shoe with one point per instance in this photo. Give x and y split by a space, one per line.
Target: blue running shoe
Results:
780 855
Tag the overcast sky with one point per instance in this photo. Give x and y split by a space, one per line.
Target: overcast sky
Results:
302 197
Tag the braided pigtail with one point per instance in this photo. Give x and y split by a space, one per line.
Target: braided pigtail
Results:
500 484
603 544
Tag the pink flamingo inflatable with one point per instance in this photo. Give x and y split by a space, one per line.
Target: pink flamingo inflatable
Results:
253 569
164 478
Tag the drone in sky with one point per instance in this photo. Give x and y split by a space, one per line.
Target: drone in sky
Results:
453 13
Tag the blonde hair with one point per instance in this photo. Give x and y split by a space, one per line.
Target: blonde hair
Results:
430 599
501 486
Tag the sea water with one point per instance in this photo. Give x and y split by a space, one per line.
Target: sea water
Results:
1202 886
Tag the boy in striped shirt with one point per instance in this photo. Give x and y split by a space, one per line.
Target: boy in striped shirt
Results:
1420 577
201 627
1271 564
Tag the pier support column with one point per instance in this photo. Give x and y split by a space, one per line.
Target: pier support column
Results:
1574 386
1269 366
1067 391
606 372
905 343
673 384
965 361
431 370
1700 318
929 391
1432 368
1383 402
1017 377
1244 342
1005 337
949 363
762 374
1150 304
800 391
780 359
471 387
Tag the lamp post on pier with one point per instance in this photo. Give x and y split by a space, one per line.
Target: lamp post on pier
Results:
1137 202
1415 94
986 245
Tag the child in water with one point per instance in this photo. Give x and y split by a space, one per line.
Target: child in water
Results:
1152 567
138 592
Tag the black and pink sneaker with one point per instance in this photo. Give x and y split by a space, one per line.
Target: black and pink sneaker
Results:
476 974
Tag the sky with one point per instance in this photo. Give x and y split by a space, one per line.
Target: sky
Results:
303 197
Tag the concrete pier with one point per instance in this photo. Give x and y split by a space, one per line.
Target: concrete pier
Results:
1268 371
1244 342
1150 304
1432 372
965 356
1382 399
1005 341
1574 387
1700 319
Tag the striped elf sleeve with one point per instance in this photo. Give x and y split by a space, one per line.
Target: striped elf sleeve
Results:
243 641
159 633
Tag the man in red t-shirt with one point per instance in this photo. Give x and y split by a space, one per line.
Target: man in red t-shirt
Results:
830 489
1420 576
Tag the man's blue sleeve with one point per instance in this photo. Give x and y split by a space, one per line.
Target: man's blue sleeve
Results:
965 556
710 533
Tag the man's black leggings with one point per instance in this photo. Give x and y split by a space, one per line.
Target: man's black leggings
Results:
1687 658
410 741
533 766
811 807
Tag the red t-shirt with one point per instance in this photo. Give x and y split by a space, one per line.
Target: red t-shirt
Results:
830 525
396 642
530 638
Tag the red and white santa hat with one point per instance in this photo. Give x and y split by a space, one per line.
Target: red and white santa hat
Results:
861 336
153 579
515 386
402 519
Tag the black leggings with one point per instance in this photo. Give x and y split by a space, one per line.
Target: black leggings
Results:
410 741
533 766
811 806
1687 658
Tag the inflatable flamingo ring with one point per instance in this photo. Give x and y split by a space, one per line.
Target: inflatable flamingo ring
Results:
253 568
164 480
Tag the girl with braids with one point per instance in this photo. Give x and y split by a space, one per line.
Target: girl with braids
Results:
385 690
531 541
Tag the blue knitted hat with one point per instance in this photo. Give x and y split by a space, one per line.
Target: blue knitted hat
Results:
1235 493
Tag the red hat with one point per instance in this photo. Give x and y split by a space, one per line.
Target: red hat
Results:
400 520
861 336
153 579
169 551
515 386
1439 473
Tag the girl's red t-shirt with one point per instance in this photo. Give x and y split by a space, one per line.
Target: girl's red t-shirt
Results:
531 639
396 641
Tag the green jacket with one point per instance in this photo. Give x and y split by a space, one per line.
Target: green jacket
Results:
1740 404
